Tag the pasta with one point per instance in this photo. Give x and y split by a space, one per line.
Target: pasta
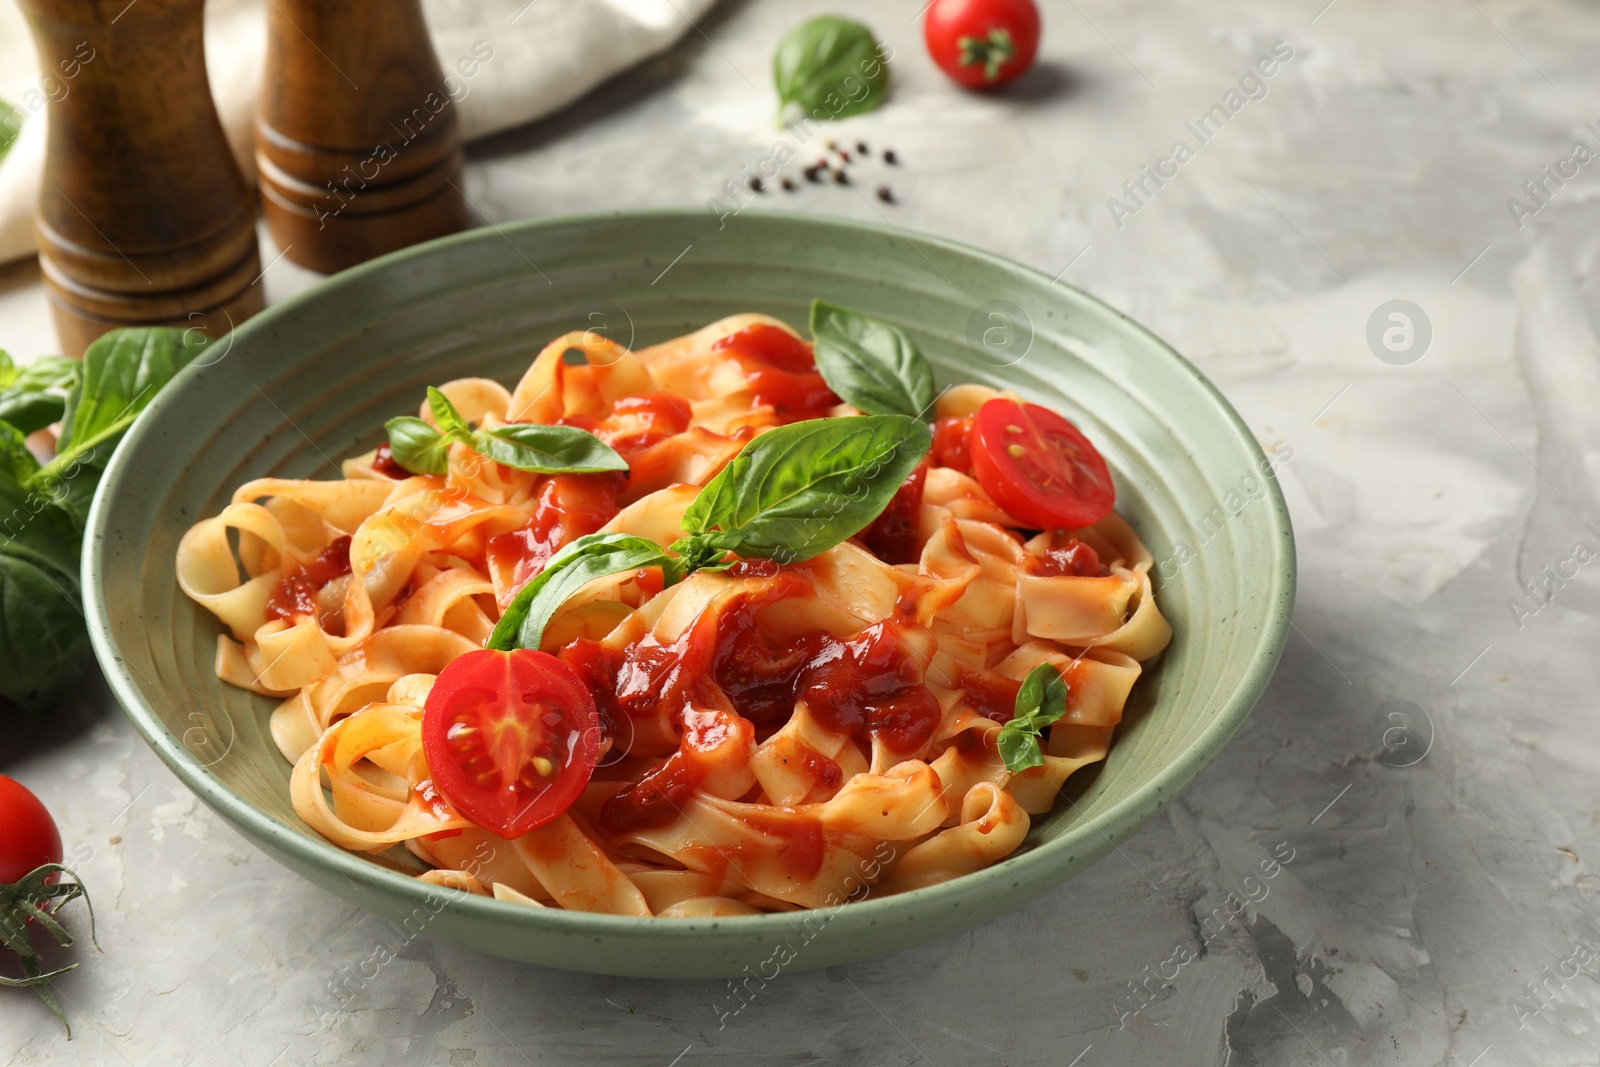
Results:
772 734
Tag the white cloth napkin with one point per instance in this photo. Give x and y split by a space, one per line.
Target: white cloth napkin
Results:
542 55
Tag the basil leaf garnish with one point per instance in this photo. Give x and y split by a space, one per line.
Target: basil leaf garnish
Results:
446 415
800 489
870 364
576 565
421 449
1041 702
831 67
547 449
417 446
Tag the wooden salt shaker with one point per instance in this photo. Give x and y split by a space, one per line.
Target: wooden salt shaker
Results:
357 142
144 217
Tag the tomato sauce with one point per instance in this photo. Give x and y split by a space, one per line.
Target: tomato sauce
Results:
654 800
892 537
295 595
866 685
567 507
1074 560
950 443
781 371
385 463
804 846
991 695
637 422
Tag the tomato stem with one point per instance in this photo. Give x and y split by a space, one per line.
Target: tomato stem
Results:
30 899
993 50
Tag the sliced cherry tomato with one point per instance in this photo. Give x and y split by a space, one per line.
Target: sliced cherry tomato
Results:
982 43
511 738
28 836
1038 467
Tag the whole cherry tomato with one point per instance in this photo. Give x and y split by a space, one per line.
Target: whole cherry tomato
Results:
28 836
982 43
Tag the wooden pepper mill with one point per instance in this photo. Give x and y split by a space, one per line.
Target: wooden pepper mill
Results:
144 217
357 142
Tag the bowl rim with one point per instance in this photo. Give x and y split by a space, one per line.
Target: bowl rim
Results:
1098 834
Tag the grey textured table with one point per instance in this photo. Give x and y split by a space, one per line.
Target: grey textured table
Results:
1439 912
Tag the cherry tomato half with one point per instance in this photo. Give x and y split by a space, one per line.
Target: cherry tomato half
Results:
982 43
28 836
511 738
1038 467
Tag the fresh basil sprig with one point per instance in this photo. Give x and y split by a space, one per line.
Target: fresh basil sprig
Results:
831 67
789 494
44 647
801 489
1041 702
870 364
422 449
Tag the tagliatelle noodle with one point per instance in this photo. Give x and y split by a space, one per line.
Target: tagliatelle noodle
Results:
792 809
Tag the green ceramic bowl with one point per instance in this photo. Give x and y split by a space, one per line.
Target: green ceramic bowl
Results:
313 379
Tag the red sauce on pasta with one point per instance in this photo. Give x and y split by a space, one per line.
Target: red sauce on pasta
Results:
781 371
804 846
637 422
385 463
991 695
892 537
295 595
1075 560
654 800
567 507
950 443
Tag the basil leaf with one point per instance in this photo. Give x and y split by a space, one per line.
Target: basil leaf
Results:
121 373
11 121
576 565
417 446
446 415
30 411
803 488
831 67
16 462
870 364
46 372
547 449
1041 702
44 647
34 396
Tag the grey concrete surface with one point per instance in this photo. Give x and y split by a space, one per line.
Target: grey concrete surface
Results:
1439 904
